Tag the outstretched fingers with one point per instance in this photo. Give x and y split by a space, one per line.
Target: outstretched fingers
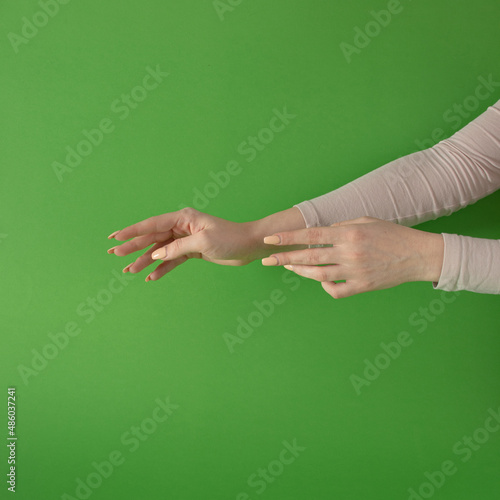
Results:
145 259
164 268
139 243
156 224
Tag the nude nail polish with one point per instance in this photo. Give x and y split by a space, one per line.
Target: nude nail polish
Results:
161 253
270 261
272 240
112 235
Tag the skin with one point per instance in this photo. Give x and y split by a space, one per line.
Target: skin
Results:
366 253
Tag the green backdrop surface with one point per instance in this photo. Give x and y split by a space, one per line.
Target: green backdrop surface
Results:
142 397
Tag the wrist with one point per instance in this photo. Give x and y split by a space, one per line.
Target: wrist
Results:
286 220
433 255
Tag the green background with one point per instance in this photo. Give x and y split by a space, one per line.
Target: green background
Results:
290 379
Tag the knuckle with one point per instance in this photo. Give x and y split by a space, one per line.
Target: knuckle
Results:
175 246
285 238
314 235
355 235
188 211
153 222
321 274
357 255
313 257
333 292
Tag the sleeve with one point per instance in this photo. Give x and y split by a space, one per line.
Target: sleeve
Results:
426 185
470 264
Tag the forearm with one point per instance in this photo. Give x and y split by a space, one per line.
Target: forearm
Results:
286 220
423 185
413 189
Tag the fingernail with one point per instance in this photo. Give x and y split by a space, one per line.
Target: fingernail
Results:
289 267
112 235
160 253
127 269
270 261
148 278
112 250
272 240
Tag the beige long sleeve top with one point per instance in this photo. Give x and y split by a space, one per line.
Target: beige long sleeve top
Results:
425 185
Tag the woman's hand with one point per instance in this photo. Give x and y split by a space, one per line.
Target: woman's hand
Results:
368 253
188 233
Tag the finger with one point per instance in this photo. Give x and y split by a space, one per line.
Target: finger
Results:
188 246
318 273
112 235
164 268
340 290
139 243
359 220
156 224
309 236
313 256
145 259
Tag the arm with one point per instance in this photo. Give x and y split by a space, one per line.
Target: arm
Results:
412 189
421 186
426 185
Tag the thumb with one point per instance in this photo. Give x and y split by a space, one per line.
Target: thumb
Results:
188 246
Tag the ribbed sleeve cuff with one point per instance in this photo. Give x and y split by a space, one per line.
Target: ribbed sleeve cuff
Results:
309 213
470 264
447 280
